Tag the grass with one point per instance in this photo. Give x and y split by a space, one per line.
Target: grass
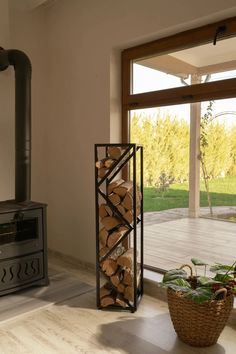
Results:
223 193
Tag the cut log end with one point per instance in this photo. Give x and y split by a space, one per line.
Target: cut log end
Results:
109 266
114 152
107 300
126 259
129 293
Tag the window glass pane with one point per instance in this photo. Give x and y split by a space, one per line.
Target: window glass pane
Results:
164 134
218 159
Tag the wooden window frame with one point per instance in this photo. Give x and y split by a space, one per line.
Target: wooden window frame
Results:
188 94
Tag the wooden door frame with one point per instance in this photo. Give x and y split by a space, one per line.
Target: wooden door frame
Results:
200 92
188 94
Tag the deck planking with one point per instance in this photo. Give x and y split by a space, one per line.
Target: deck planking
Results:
172 243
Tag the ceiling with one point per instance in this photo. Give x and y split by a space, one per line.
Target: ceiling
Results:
208 54
203 59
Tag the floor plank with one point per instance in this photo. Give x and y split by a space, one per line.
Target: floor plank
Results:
76 326
62 286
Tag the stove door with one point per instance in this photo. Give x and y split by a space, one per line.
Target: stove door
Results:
20 233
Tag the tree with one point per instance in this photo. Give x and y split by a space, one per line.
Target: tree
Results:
205 121
166 146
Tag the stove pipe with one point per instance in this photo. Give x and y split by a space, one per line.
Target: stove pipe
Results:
22 67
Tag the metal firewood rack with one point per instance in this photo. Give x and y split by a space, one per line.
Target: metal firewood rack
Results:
130 162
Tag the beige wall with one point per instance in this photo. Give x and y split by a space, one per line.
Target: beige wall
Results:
75 48
6 115
25 30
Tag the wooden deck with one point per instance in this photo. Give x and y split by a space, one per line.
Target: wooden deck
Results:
172 243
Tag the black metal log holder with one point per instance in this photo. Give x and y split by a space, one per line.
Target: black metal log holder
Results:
131 154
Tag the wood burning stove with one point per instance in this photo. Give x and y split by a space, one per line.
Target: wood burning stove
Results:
23 243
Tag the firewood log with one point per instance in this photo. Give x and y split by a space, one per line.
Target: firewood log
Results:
109 266
104 291
125 242
99 164
128 277
108 163
121 209
114 152
124 188
128 201
113 185
123 228
115 236
120 301
102 211
110 222
114 198
109 211
126 259
129 293
103 234
129 216
121 288
103 251
117 277
138 211
102 172
107 300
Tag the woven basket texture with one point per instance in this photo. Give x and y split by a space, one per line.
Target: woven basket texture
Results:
199 325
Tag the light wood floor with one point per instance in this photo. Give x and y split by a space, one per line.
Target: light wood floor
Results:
76 326
172 243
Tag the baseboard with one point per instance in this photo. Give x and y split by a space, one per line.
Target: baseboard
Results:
72 261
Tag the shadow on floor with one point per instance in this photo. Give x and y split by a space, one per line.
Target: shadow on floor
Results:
141 335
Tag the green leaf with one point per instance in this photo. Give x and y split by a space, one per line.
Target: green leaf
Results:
199 295
205 281
222 269
179 282
198 262
178 285
223 278
174 274
182 289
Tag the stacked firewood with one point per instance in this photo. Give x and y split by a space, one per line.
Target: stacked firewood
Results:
120 288
114 153
118 266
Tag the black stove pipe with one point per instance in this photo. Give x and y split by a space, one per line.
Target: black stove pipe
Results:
22 67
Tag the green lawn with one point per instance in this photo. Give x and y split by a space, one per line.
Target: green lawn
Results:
223 192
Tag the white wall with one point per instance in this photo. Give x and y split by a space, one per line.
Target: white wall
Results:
77 79
85 41
6 115
22 29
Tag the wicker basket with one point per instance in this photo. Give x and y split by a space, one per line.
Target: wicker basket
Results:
199 325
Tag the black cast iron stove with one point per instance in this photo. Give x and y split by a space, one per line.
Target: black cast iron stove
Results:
23 242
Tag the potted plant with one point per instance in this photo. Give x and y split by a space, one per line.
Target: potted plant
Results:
200 305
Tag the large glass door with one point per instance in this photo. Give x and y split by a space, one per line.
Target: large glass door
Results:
196 68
